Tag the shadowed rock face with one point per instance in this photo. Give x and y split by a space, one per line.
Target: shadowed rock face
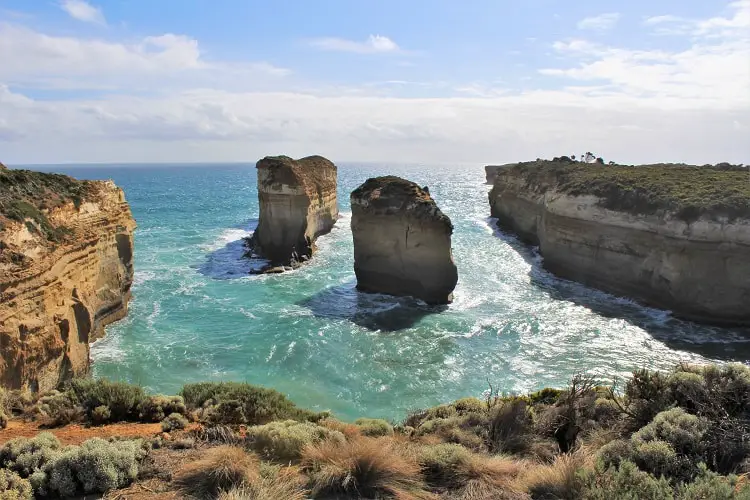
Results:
66 267
606 234
297 204
492 170
402 241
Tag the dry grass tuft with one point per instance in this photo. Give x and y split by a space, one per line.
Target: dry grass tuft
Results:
286 483
348 430
556 480
364 467
221 469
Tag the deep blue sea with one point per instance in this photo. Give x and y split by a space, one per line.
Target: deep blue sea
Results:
197 315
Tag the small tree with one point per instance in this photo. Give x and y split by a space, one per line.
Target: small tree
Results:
600 161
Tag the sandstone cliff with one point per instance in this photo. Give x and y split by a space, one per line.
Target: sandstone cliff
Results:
297 205
66 266
674 237
402 241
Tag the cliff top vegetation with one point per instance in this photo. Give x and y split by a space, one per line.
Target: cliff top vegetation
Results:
25 194
682 435
689 192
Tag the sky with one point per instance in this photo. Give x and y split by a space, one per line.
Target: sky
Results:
433 81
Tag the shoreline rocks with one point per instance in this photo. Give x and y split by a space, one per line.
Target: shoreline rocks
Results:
66 268
297 205
402 241
635 232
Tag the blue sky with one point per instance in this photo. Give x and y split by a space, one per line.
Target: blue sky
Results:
430 81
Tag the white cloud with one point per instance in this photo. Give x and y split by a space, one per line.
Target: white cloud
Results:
373 45
83 11
602 22
34 59
736 24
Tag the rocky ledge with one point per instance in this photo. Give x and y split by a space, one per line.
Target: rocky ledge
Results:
297 205
402 241
672 236
66 267
492 170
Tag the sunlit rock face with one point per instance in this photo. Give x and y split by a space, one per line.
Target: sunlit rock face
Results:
66 267
297 205
402 241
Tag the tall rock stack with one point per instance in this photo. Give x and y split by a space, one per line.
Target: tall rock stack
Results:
297 205
402 241
66 267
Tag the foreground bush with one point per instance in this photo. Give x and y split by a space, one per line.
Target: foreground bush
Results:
157 408
174 422
285 440
13 487
61 408
121 399
25 456
242 403
625 482
274 483
363 468
373 427
221 469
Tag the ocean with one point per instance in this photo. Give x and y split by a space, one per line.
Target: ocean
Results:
198 315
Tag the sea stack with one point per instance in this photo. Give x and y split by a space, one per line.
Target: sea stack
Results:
66 267
297 205
402 241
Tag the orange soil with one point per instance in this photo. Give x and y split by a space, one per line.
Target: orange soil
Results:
76 434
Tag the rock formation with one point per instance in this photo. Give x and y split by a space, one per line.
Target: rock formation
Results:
673 237
402 241
66 266
492 170
297 205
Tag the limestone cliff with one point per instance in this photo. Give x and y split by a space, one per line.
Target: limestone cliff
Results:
66 266
492 170
402 241
297 205
674 237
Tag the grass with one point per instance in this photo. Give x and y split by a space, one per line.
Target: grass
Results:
689 192
221 469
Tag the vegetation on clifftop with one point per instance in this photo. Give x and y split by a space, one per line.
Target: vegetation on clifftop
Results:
681 435
689 192
27 195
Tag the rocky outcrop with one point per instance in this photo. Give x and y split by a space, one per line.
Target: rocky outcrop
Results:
66 267
402 241
492 170
297 205
676 238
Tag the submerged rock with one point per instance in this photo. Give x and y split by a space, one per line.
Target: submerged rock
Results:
297 205
402 241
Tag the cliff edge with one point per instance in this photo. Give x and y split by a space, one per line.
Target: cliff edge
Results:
66 267
297 205
672 236
402 241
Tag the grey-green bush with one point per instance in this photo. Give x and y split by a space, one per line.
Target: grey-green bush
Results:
122 399
14 487
174 422
24 455
157 408
61 407
284 441
625 482
684 432
711 486
374 427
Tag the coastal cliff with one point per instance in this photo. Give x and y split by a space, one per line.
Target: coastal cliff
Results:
66 267
671 236
492 170
402 241
297 205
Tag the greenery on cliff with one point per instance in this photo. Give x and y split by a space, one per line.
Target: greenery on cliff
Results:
26 195
687 191
680 435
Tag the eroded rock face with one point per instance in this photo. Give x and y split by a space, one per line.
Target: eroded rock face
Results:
297 205
698 267
66 267
402 241
492 170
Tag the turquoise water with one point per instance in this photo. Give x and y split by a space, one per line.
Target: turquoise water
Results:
197 315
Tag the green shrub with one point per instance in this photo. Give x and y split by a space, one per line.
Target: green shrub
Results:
660 459
374 427
13 487
711 486
284 441
242 403
683 432
173 422
157 408
606 411
625 482
60 407
101 415
3 420
615 452
646 394
121 398
96 466
24 455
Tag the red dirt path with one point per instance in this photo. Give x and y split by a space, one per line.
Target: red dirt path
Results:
76 434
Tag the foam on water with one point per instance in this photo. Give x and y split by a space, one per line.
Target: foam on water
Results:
196 314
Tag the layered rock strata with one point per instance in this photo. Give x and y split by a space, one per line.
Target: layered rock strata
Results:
297 205
402 241
66 267
673 237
